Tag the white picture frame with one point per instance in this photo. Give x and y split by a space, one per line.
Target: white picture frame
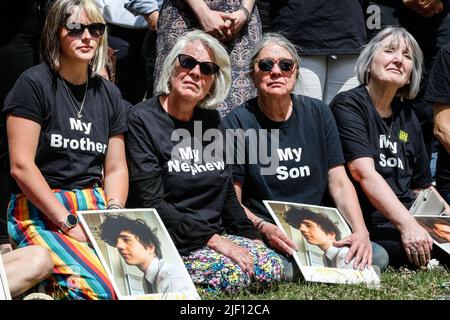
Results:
125 278
5 294
309 256
438 227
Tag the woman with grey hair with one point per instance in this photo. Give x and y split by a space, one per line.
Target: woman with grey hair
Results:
383 145
65 128
177 166
306 154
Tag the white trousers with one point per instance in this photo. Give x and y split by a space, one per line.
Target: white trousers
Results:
322 77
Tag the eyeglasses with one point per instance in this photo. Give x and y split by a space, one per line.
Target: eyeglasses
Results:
266 64
76 29
206 68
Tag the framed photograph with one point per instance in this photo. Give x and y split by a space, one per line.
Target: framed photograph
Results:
439 229
4 288
314 229
138 254
429 203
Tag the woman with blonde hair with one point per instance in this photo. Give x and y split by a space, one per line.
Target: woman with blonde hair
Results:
65 128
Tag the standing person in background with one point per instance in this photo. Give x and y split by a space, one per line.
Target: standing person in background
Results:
65 128
126 36
149 10
235 24
328 35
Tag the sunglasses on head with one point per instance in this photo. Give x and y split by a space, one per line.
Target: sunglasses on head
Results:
267 64
206 68
76 29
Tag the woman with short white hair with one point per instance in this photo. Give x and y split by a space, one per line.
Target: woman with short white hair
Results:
177 166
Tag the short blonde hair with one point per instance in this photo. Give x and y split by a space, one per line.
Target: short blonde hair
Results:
365 59
57 18
222 79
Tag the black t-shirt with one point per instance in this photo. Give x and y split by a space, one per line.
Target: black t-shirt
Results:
438 90
185 179
401 159
71 151
308 146
320 27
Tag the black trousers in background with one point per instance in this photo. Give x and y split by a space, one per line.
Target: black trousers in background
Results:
130 68
18 51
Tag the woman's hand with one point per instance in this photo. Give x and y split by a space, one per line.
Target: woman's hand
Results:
240 255
360 248
152 20
77 233
235 21
426 8
214 23
277 239
417 243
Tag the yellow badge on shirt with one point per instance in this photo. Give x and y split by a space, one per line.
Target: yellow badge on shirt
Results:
403 136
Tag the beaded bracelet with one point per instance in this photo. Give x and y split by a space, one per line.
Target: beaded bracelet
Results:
114 203
114 206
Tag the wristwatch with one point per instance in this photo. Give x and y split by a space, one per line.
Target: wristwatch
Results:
69 222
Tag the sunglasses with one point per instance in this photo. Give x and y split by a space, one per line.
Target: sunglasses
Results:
76 29
206 68
267 64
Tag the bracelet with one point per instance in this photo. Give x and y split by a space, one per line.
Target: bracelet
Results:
114 206
247 13
256 218
260 224
114 203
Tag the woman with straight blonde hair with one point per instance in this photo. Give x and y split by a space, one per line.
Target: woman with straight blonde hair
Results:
65 128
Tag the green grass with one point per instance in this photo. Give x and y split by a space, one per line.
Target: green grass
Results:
401 284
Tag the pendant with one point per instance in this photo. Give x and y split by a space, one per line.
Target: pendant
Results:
79 115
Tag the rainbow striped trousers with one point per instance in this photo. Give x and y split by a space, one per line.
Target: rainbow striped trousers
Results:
78 273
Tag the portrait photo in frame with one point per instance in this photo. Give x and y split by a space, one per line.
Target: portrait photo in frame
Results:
138 254
439 229
313 229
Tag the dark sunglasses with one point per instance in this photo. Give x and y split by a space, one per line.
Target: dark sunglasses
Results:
206 68
267 64
76 29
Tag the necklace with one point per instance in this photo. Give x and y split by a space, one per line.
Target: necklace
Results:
79 115
390 128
